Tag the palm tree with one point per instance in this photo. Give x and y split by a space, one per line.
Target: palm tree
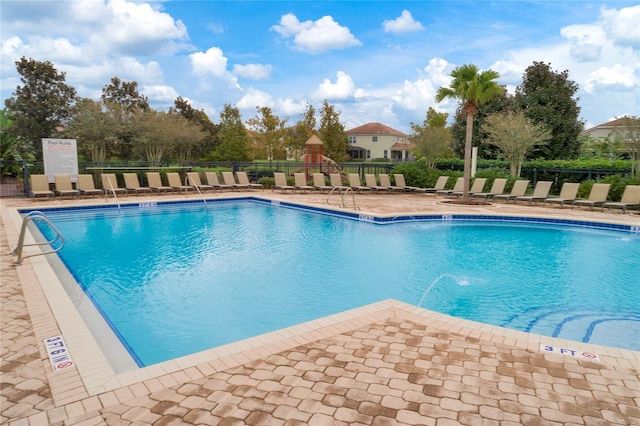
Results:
472 88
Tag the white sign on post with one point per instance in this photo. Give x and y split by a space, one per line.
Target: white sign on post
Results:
60 158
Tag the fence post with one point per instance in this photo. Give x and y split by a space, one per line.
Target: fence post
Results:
25 178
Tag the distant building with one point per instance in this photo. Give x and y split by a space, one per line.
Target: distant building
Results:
612 129
375 141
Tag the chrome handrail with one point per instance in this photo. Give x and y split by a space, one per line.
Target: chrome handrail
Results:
30 217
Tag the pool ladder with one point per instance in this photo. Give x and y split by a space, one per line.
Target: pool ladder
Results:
343 191
17 251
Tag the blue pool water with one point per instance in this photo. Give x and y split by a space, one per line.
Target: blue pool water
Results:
179 278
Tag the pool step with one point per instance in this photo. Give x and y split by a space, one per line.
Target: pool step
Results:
608 328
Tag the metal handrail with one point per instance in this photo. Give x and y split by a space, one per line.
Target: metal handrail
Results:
342 196
186 182
29 217
113 191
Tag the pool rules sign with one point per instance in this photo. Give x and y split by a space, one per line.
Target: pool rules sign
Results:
58 353
60 158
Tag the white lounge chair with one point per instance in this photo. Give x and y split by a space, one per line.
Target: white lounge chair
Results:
301 182
86 185
155 183
497 188
597 196
40 187
540 192
132 184
630 198
63 186
519 189
193 178
110 184
243 179
568 195
281 183
319 183
355 184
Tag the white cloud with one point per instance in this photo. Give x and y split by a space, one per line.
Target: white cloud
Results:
586 41
138 28
509 72
253 71
315 37
289 107
160 93
623 25
402 24
212 62
254 98
344 88
616 76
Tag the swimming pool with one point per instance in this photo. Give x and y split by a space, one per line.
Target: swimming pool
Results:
177 278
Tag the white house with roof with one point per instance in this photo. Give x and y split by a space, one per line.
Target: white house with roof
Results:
374 141
612 129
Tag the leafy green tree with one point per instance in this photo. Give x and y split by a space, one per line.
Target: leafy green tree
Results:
628 134
472 88
122 102
548 97
234 144
301 132
212 130
41 105
269 132
515 135
92 128
12 150
149 134
432 138
125 94
185 137
332 133
503 102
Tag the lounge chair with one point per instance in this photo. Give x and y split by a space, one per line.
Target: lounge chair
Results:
212 179
319 182
459 186
86 185
497 188
194 179
476 187
597 196
132 184
301 182
371 182
63 186
630 198
540 192
228 179
336 181
568 195
519 189
441 184
401 184
40 187
355 184
175 182
155 183
386 182
243 179
281 183
110 184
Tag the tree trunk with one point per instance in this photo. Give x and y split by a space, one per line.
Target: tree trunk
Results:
467 158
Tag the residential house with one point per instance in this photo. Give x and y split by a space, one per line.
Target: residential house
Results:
612 129
375 141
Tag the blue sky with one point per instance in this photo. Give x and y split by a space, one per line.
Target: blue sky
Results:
373 60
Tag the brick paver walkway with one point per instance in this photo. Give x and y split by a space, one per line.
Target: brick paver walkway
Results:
395 371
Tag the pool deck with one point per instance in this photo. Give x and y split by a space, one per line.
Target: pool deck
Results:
383 364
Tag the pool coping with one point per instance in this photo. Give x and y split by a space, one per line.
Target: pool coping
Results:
53 313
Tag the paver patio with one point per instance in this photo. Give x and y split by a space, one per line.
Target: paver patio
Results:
389 363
